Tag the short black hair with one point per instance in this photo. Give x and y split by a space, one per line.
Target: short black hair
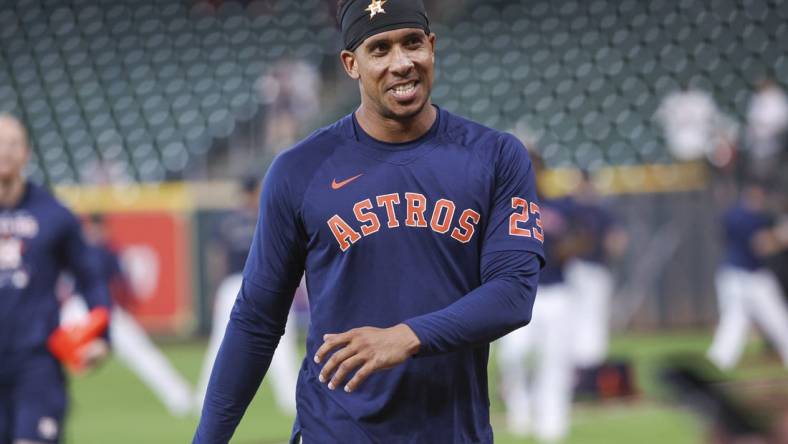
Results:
341 4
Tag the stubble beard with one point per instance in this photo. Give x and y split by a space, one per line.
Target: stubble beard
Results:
389 113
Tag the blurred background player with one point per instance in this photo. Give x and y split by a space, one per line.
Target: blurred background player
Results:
39 238
747 291
130 342
235 234
538 398
589 274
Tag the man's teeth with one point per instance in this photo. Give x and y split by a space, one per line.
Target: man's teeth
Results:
406 88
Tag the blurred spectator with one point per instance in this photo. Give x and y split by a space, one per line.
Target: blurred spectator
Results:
767 128
290 91
693 125
747 291
235 233
129 341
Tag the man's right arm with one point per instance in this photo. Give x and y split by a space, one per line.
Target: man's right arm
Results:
272 273
256 324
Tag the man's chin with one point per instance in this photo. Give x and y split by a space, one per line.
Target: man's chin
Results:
405 112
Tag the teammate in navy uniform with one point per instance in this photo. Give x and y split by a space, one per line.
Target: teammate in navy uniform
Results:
589 275
747 290
130 342
538 399
420 235
39 238
236 231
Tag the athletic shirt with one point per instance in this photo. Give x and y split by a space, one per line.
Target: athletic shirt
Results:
739 227
388 233
39 239
111 271
235 232
595 221
557 217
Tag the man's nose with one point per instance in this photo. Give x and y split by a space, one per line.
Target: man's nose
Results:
401 63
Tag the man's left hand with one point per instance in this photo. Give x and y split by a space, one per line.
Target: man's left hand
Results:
367 349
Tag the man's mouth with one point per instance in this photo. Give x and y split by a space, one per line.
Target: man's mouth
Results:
404 91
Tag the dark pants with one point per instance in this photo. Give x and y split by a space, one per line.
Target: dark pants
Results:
32 398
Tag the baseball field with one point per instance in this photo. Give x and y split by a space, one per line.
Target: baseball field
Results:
112 406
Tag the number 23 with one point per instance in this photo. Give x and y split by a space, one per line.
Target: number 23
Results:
522 216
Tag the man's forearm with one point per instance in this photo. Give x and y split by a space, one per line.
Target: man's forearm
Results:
502 304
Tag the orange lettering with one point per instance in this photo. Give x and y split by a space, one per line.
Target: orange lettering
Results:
515 218
467 220
345 235
417 205
389 200
435 222
366 218
537 230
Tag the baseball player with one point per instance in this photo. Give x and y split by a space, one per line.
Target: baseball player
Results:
130 343
589 276
747 291
538 399
39 238
236 232
421 238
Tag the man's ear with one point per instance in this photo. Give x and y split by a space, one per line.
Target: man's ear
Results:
432 38
350 63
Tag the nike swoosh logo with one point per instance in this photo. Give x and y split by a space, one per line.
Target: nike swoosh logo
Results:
337 185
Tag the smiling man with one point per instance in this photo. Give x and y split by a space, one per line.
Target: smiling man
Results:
421 239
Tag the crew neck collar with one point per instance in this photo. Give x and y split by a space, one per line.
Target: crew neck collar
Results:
364 138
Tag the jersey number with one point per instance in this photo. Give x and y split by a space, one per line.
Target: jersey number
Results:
519 218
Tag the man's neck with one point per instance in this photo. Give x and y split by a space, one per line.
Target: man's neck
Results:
396 131
11 191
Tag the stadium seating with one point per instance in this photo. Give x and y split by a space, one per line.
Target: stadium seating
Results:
146 88
140 88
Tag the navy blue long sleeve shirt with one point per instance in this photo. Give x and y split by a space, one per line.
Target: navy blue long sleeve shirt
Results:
442 233
40 239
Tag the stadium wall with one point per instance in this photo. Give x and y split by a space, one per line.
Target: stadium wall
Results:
666 209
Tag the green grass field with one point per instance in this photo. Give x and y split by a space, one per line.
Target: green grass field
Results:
112 406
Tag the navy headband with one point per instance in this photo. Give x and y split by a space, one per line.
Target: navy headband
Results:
360 19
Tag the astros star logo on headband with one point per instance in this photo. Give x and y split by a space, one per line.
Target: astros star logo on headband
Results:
375 8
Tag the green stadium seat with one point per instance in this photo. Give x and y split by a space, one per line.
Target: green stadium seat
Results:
175 157
158 120
189 65
174 87
243 106
202 86
183 102
123 103
71 122
197 139
110 144
100 123
166 70
221 123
